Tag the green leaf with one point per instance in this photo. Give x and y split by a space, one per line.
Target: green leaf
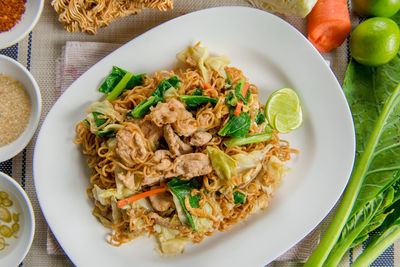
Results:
194 201
198 91
353 228
389 233
99 122
195 101
231 100
237 126
228 80
135 81
239 90
164 85
373 94
157 96
260 118
112 80
143 107
378 218
119 88
239 197
181 189
115 77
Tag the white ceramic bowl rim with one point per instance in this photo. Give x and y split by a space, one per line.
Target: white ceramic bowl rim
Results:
10 150
15 34
29 221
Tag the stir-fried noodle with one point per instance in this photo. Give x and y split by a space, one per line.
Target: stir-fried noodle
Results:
226 183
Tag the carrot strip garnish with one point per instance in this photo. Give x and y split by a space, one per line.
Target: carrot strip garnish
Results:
328 24
133 198
207 86
240 102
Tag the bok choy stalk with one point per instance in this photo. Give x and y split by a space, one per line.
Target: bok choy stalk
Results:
115 84
373 95
250 139
158 94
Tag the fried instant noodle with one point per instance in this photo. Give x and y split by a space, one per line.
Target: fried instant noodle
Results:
89 15
138 160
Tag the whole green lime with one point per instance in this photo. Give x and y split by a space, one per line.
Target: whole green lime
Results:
375 41
376 8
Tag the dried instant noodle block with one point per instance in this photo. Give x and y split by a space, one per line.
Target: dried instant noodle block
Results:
88 16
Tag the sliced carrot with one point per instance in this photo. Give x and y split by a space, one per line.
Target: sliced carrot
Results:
240 102
133 198
238 107
207 86
328 24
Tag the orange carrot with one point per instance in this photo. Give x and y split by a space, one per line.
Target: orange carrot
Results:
207 86
240 102
328 24
133 198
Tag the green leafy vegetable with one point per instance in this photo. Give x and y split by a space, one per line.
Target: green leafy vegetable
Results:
119 88
222 163
373 95
237 126
231 100
198 91
251 139
181 189
194 101
143 107
98 120
100 117
194 201
260 118
239 197
238 92
115 77
166 84
228 80
389 233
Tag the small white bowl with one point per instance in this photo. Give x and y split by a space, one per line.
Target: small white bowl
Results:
15 252
10 67
33 10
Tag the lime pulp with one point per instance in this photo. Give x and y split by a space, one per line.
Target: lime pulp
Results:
283 110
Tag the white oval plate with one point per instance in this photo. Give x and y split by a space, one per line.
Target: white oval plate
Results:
273 55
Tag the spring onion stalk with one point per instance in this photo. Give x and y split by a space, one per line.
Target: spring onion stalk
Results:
119 87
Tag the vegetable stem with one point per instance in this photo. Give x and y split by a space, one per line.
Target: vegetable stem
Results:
240 103
256 138
119 87
353 187
372 252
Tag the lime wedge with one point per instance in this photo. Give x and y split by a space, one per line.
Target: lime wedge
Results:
283 110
